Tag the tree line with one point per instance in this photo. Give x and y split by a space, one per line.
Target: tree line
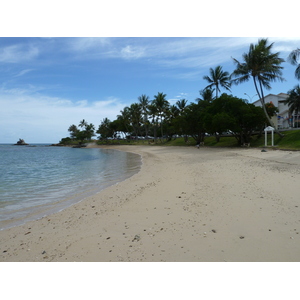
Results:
211 113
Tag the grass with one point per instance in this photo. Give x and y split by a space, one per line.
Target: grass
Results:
290 141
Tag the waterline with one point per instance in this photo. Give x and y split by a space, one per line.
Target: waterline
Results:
42 180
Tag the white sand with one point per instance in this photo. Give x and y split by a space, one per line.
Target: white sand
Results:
186 204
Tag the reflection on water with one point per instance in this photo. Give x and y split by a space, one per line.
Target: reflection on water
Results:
36 181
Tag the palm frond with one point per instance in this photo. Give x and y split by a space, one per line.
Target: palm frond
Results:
293 57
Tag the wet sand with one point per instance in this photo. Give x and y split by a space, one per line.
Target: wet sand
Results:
185 205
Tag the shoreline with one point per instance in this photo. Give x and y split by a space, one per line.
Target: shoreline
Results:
185 204
21 215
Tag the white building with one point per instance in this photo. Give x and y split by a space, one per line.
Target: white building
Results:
283 120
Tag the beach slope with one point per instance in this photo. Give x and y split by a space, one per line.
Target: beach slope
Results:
186 204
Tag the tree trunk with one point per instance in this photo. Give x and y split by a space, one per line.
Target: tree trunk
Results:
262 100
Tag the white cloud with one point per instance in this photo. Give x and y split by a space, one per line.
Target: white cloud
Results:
87 43
38 118
82 103
132 52
18 53
23 72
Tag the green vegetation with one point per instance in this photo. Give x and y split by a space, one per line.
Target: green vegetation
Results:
218 78
291 141
293 59
79 137
220 121
263 67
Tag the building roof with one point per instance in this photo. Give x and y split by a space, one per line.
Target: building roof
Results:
280 95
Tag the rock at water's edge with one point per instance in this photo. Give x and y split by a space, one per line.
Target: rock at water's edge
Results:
21 142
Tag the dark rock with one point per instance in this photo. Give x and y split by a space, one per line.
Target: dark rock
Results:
21 142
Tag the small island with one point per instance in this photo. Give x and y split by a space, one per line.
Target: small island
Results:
21 142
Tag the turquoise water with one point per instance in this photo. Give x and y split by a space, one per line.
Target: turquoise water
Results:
38 180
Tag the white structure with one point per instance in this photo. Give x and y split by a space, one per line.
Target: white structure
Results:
283 120
269 128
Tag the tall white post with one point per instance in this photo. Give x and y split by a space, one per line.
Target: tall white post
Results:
266 138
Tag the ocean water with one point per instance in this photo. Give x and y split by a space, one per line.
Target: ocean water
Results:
38 180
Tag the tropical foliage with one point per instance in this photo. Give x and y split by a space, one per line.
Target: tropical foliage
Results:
293 59
82 132
293 102
262 66
211 114
218 78
166 122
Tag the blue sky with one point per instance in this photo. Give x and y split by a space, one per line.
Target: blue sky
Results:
48 84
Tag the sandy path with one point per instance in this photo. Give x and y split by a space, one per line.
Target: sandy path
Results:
184 205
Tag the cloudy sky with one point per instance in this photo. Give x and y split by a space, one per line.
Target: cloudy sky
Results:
50 78
47 84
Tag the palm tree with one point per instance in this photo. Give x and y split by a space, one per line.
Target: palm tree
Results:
135 110
293 59
218 79
162 105
182 107
181 104
293 101
144 102
73 131
104 129
207 95
83 123
124 119
153 114
89 131
263 66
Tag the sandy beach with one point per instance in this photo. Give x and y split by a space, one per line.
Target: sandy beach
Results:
185 205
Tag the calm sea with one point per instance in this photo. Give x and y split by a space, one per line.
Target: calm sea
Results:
38 180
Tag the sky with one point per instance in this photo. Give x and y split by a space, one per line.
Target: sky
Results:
53 78
48 84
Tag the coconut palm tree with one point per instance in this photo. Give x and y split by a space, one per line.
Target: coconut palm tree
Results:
293 101
73 131
293 59
263 66
104 129
144 102
124 119
218 78
89 131
153 114
207 95
181 104
83 123
162 105
182 107
135 110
